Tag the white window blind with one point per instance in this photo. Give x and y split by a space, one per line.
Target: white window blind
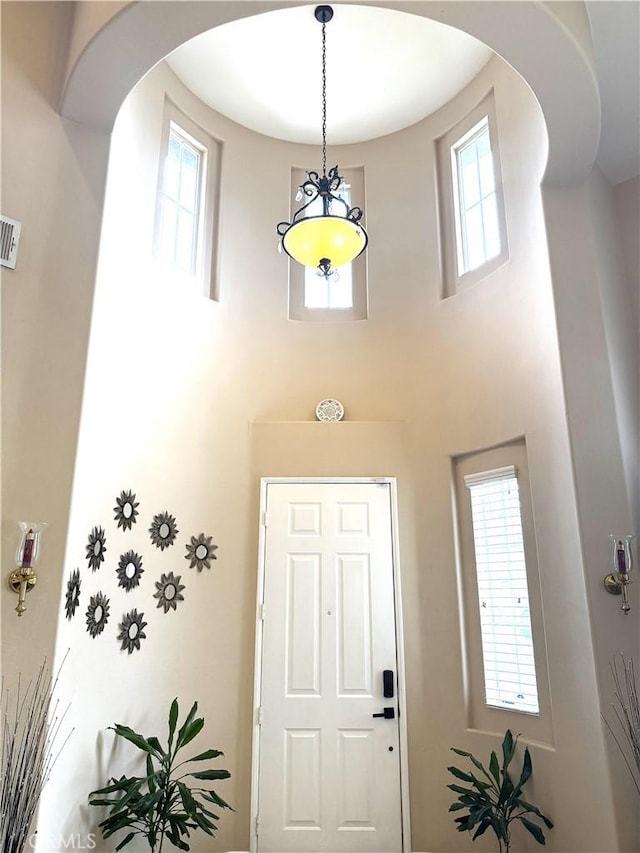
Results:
503 597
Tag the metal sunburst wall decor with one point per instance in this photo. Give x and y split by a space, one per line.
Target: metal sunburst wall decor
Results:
73 593
126 510
163 530
169 591
129 570
96 548
200 552
131 631
97 614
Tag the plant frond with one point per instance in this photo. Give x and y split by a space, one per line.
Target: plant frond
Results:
160 805
534 829
495 805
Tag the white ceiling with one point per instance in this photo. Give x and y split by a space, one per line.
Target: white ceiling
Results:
386 70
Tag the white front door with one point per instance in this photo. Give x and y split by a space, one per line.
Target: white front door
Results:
328 767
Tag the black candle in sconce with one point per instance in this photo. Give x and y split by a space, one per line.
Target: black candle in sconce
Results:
23 579
616 582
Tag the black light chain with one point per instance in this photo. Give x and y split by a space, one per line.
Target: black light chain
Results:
324 99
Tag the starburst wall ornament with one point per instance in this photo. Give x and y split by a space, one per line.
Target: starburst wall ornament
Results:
129 570
131 631
169 591
97 614
96 548
200 552
126 510
73 593
163 530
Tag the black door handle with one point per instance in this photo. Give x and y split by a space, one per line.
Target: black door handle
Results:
387 713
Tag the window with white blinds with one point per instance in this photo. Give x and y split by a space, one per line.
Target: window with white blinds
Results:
503 597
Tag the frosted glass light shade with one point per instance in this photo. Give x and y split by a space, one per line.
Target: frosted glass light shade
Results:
28 549
622 557
316 238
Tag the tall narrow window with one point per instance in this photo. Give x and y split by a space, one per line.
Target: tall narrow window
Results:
187 204
477 229
336 292
180 206
470 197
503 597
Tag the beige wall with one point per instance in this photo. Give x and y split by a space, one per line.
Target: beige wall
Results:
53 174
627 204
616 225
598 461
174 383
618 301
627 201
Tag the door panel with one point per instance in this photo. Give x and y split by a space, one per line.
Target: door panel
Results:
302 778
356 763
303 642
355 675
329 772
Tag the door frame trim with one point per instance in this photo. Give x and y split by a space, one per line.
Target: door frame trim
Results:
257 679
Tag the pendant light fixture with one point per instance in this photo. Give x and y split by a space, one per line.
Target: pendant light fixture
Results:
334 237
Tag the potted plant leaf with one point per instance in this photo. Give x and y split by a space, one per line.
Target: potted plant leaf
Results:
493 800
161 803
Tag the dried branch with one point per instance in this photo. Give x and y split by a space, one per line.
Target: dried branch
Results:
31 728
626 709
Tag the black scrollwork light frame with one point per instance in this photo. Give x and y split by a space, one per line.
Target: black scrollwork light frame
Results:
325 185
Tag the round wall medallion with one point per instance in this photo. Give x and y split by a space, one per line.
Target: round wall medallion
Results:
329 410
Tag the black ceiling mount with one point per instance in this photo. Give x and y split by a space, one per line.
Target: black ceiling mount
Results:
323 14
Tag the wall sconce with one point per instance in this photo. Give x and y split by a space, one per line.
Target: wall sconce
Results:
616 583
23 579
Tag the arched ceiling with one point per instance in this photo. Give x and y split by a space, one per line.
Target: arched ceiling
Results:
554 59
386 70
615 32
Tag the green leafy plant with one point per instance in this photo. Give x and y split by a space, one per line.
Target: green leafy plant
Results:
161 804
495 801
